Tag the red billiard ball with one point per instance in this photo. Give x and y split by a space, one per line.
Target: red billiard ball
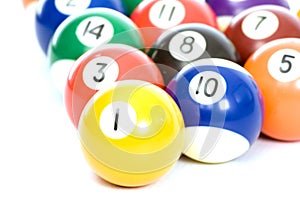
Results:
153 17
276 68
261 24
99 68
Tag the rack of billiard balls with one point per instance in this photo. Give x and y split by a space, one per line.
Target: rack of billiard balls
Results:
147 81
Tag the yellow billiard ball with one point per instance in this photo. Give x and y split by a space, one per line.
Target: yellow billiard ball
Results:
131 133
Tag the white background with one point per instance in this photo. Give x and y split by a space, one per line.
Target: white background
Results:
40 155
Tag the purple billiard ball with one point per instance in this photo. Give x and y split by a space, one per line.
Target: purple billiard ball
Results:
222 108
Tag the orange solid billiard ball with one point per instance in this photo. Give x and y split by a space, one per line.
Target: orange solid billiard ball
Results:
276 68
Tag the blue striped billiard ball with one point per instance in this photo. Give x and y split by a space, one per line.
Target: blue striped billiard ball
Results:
222 109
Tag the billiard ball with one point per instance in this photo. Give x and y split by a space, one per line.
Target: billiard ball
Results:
95 70
154 17
226 9
50 13
185 43
132 133
222 109
131 5
276 68
81 32
259 25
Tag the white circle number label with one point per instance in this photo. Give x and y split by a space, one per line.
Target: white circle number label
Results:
187 45
100 72
284 65
117 120
69 7
260 25
94 31
166 14
207 87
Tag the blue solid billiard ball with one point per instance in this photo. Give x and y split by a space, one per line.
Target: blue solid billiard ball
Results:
222 109
50 13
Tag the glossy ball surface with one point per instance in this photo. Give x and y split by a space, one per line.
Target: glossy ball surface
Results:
261 24
153 17
222 109
131 5
50 13
276 68
100 68
131 133
186 43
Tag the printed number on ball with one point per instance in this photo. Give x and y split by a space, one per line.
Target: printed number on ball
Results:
260 25
100 72
187 46
284 64
69 7
165 14
94 30
207 87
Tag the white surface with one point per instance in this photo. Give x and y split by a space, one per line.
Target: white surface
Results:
41 156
